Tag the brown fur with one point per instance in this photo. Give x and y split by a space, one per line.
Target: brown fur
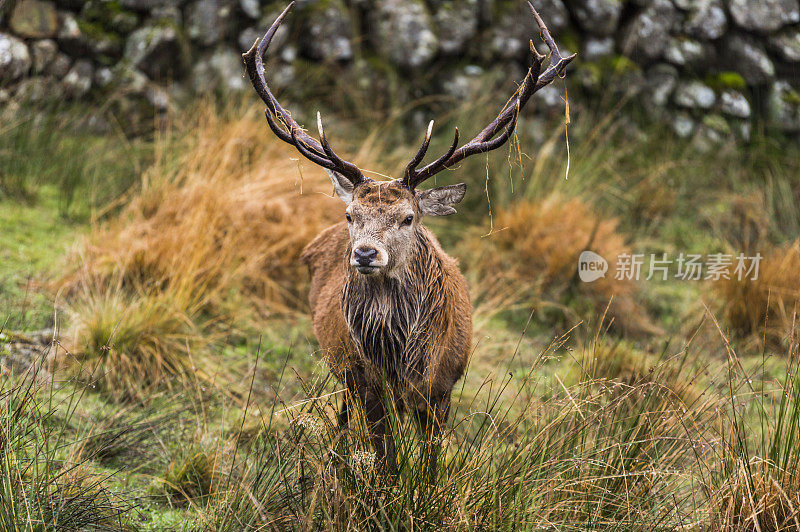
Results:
406 331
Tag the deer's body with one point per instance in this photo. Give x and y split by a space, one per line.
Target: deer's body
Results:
391 310
413 330
401 333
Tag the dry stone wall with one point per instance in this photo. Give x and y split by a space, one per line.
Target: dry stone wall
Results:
715 65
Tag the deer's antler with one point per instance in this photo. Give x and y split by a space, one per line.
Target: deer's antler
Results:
279 119
506 121
320 152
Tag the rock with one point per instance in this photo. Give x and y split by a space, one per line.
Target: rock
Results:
78 80
689 53
207 21
222 70
743 129
251 8
764 15
597 48
106 46
783 106
402 31
74 5
44 53
288 53
168 14
131 80
706 20
328 34
717 123
34 19
110 16
706 138
660 82
15 60
464 84
598 17
103 77
457 23
60 65
694 95
734 103
504 41
747 57
146 5
786 45
38 89
549 97
283 77
508 38
646 37
157 51
158 97
20 351
553 12
70 37
682 124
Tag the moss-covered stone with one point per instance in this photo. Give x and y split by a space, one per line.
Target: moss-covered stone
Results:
726 80
718 123
110 15
105 45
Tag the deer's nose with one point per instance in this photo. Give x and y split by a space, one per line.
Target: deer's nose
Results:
364 256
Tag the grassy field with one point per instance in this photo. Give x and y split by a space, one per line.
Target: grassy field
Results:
177 384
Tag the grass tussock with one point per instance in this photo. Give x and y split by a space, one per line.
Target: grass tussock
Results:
533 252
758 482
47 481
127 345
767 306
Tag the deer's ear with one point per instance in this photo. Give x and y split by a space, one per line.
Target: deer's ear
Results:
341 185
439 201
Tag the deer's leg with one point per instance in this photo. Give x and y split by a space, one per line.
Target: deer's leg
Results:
379 431
344 414
350 393
430 422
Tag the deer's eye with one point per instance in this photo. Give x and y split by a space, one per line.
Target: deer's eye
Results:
349 218
408 219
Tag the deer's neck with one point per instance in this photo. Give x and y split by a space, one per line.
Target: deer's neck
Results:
388 315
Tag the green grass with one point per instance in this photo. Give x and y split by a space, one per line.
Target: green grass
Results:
34 238
589 430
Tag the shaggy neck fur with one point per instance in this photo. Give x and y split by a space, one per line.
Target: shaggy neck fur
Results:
391 318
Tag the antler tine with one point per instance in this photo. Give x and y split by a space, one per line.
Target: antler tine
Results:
414 178
505 123
557 62
320 154
412 166
347 169
307 152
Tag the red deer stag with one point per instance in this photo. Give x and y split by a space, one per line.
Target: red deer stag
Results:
391 309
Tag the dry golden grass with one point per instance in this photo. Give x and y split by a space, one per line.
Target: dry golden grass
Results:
766 306
234 212
533 254
760 498
213 235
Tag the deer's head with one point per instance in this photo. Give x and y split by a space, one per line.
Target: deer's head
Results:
383 217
